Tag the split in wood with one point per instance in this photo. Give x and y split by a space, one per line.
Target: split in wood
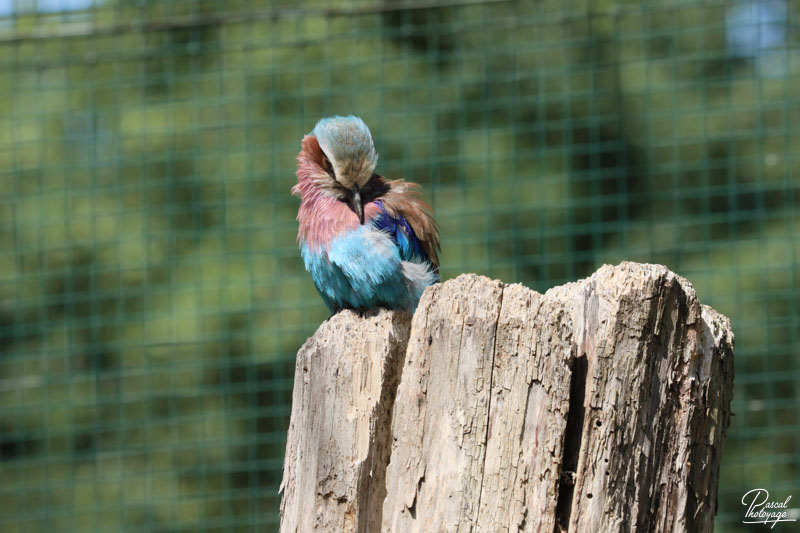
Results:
600 405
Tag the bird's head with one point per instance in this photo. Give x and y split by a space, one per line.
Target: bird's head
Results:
339 159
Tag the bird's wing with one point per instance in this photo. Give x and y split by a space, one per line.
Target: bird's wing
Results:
406 218
397 227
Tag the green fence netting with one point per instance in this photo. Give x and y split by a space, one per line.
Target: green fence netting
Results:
152 296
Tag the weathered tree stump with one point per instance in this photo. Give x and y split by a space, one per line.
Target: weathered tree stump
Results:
600 405
339 438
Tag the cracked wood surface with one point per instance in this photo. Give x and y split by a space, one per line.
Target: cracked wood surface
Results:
338 443
600 405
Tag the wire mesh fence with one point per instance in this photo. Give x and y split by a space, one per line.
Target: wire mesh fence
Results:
152 297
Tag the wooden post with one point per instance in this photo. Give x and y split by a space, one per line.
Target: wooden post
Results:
338 444
600 405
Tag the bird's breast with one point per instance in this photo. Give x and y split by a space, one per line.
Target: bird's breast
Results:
322 221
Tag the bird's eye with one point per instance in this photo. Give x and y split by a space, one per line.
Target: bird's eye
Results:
328 167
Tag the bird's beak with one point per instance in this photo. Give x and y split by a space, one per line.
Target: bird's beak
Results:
357 205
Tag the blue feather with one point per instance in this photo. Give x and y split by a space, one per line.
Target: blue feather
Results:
402 234
364 268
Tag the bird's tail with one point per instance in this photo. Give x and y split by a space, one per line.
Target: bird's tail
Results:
417 277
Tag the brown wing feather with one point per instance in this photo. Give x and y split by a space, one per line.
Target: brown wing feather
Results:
403 198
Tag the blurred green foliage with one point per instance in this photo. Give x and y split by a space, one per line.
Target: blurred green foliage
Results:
151 293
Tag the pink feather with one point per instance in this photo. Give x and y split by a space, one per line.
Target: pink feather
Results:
321 216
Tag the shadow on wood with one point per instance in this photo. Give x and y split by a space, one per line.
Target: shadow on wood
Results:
600 405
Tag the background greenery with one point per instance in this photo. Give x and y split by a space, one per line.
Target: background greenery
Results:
152 297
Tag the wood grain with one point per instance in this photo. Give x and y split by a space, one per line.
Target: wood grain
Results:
600 405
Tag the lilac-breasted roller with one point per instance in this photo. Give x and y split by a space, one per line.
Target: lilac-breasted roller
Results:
367 242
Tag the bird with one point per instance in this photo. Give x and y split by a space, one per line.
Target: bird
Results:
368 242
